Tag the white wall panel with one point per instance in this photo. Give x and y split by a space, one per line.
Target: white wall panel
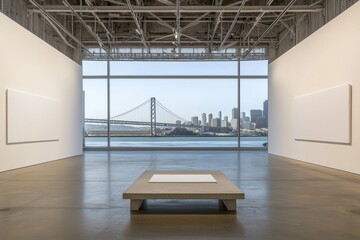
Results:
327 58
316 114
31 118
30 65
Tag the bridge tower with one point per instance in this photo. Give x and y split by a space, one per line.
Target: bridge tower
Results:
153 117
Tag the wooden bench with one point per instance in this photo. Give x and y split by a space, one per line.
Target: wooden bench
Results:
223 189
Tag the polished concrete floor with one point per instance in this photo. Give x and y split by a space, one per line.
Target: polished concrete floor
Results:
81 198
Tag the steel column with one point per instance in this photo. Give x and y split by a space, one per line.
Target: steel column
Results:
153 116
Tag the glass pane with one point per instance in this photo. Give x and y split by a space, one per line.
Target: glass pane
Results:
172 112
95 96
253 112
253 68
94 68
173 68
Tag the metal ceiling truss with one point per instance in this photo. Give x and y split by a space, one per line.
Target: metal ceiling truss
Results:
227 29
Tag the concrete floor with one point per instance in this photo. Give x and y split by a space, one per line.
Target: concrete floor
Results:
81 198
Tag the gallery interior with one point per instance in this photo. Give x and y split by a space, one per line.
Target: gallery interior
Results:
245 114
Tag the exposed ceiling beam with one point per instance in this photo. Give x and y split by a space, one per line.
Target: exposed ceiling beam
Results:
184 9
269 28
87 27
232 24
59 25
170 41
217 22
297 23
166 2
108 33
162 22
163 37
192 38
177 30
194 22
257 20
136 20
56 29
116 2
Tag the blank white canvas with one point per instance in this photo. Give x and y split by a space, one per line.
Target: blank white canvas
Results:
31 118
324 115
182 178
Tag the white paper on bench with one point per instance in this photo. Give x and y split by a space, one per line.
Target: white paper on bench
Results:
182 178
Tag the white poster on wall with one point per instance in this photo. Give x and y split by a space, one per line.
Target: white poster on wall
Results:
324 116
31 118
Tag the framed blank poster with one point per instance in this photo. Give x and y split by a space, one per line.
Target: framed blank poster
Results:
324 116
31 118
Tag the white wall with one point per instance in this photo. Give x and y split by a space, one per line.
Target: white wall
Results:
30 65
327 58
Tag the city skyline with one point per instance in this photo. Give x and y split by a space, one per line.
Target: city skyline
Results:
254 114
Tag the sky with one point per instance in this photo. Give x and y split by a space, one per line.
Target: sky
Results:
186 97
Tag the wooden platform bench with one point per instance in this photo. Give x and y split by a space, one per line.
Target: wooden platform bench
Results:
183 185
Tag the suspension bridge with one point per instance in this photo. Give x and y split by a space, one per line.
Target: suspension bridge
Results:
150 113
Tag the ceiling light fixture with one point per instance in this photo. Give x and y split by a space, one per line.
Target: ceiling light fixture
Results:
176 34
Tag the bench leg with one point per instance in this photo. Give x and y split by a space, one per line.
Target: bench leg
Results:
230 204
136 204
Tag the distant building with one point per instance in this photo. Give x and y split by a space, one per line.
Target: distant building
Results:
195 120
252 126
246 119
265 114
254 114
220 115
210 119
203 119
265 109
235 112
216 122
245 125
178 122
233 124
242 115
261 122
225 122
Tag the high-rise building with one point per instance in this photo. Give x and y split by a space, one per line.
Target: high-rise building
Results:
233 123
235 112
254 114
265 109
265 115
226 121
261 122
226 118
195 120
210 119
220 115
242 115
178 122
216 122
203 119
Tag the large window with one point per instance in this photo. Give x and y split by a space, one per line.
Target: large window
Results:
175 104
253 113
172 112
253 104
95 112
